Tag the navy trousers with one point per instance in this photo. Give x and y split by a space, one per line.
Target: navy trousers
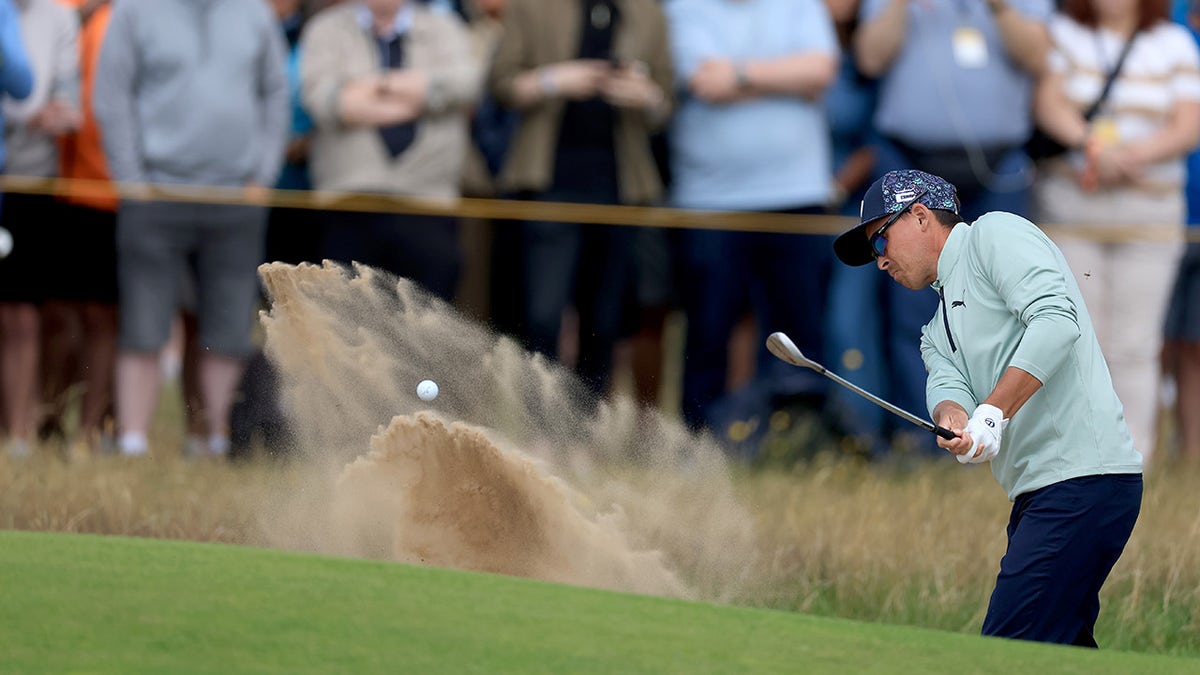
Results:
1063 540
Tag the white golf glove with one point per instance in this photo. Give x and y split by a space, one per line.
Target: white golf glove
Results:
985 428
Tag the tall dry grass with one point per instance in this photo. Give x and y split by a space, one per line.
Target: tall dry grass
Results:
913 546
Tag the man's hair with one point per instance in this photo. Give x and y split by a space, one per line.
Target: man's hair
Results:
946 218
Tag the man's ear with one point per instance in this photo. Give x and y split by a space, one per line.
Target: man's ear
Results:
923 214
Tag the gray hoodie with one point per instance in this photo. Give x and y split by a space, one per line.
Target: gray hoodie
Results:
193 91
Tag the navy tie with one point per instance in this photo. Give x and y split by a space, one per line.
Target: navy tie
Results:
396 137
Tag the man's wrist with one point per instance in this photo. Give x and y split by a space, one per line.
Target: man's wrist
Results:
740 77
547 84
996 6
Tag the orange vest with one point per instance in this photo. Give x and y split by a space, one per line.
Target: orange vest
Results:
82 152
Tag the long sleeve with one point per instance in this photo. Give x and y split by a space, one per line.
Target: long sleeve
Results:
456 81
321 76
945 381
113 98
511 58
16 76
1026 273
276 106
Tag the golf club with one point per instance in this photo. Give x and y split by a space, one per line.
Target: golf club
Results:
782 347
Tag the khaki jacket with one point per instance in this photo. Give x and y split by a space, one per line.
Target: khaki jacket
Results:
543 32
336 49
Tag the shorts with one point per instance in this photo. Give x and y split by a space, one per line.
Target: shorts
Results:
1183 311
25 272
220 246
88 251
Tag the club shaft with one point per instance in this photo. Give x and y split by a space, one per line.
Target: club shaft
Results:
924 424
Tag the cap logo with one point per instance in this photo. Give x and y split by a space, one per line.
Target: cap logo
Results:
904 195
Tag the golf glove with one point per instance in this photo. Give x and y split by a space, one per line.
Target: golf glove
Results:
985 428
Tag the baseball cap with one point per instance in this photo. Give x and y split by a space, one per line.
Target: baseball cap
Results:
891 194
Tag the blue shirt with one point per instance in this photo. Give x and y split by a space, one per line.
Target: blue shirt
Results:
927 99
16 77
764 154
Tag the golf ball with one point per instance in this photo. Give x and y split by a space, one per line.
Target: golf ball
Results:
6 242
427 390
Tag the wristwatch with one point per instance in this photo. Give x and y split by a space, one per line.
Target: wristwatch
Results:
740 76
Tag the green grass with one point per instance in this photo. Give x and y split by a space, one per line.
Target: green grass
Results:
91 604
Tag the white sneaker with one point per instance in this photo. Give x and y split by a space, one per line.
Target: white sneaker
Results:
218 445
18 448
133 444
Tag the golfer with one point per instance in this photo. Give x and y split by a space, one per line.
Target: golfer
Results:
1016 371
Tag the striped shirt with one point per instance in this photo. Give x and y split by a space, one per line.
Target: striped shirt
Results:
1162 69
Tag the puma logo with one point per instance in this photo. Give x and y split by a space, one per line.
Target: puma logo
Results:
957 303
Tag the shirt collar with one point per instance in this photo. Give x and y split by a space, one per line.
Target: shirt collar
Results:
951 252
400 25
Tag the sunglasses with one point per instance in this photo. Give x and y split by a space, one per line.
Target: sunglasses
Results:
879 240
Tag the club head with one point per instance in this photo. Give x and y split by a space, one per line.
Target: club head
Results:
783 348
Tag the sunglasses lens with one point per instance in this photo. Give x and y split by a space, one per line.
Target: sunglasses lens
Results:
879 244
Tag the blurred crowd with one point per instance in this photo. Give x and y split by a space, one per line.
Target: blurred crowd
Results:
766 106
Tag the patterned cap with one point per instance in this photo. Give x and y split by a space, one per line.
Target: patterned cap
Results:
894 192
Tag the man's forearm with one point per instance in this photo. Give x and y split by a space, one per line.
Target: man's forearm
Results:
807 75
1015 387
1025 40
879 40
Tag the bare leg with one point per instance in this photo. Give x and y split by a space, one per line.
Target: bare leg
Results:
19 365
648 355
61 339
97 363
219 378
138 382
1187 378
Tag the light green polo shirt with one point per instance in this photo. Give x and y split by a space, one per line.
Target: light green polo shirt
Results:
1009 299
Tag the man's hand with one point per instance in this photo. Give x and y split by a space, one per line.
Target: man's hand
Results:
55 118
983 431
256 194
631 87
716 81
575 80
406 84
363 102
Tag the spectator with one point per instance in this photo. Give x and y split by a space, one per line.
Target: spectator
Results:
981 60
388 83
855 323
1183 312
79 319
189 92
1132 173
751 135
39 73
294 234
590 80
